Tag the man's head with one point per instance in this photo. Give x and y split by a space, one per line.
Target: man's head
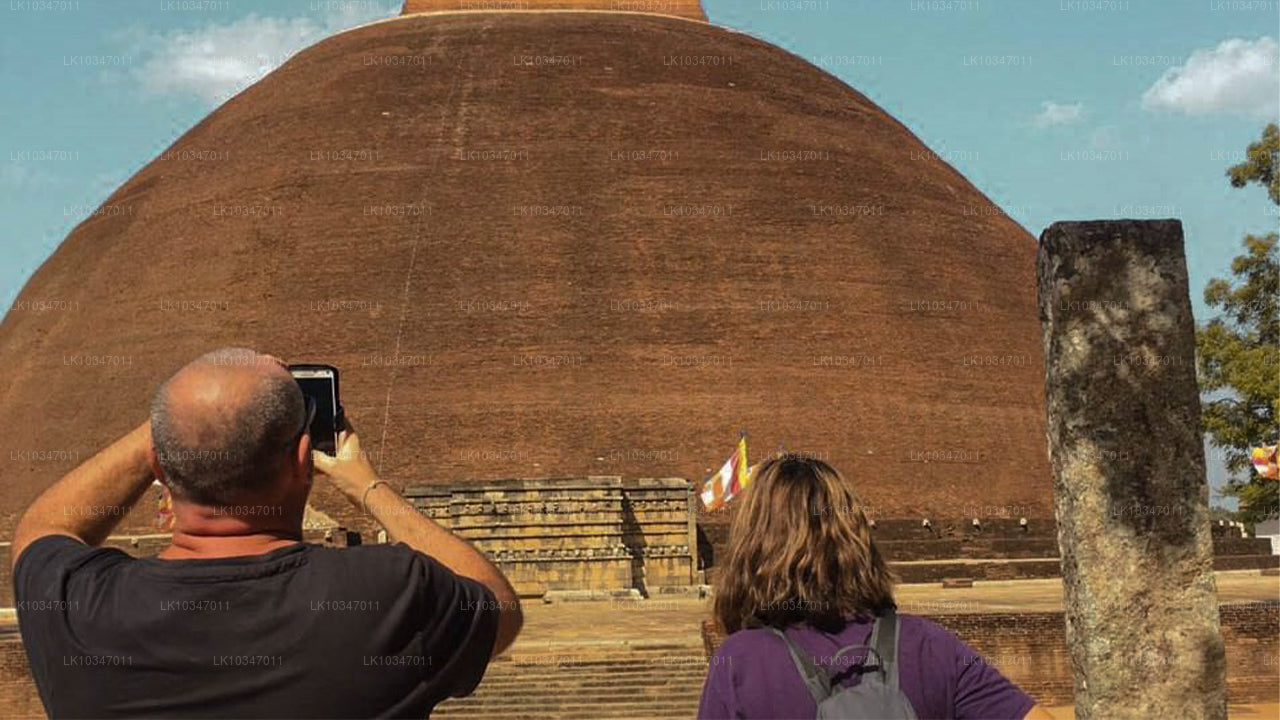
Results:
227 430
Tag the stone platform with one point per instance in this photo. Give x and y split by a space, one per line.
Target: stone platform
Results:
559 539
572 534
997 548
606 659
646 658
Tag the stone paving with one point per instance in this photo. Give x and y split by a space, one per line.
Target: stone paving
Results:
677 619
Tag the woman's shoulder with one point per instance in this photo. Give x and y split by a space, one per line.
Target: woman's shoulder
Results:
921 625
748 641
913 629
931 638
765 640
762 644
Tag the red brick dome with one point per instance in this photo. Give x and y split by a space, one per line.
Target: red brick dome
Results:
560 244
691 9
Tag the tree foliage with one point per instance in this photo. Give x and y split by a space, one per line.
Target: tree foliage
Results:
1260 165
1238 352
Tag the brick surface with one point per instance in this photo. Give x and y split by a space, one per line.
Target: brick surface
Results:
689 9
659 391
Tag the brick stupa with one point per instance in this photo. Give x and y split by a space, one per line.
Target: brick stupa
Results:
607 260
690 9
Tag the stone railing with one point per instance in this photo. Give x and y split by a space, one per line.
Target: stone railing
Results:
593 533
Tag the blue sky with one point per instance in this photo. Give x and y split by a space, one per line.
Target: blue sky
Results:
1056 109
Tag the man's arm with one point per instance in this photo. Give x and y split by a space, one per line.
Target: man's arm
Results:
352 474
91 500
405 524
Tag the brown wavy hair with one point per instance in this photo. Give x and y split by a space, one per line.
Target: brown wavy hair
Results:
800 550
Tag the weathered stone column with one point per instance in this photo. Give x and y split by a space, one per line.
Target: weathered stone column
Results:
1128 464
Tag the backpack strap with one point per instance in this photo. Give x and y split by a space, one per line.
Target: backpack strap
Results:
884 638
815 679
872 650
874 640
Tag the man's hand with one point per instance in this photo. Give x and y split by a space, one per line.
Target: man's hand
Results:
349 468
351 472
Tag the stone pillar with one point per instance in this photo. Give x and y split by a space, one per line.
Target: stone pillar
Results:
1125 446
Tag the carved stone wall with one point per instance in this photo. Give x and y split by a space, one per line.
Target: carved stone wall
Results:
593 533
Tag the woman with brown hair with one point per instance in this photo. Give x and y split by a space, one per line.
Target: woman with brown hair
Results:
801 560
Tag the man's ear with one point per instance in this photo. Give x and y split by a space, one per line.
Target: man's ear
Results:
303 458
154 460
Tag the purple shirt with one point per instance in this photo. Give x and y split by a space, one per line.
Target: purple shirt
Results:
753 676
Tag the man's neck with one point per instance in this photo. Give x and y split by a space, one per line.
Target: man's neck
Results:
208 532
195 547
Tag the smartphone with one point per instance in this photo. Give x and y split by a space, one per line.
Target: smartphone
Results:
320 383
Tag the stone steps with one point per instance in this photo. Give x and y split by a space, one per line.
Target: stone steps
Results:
587 682
973 547
577 712
585 678
615 666
1240 546
591 677
602 684
931 571
1245 562
948 546
536 708
977 546
614 662
619 694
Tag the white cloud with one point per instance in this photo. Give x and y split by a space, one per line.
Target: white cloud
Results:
1104 138
1239 77
1051 113
214 62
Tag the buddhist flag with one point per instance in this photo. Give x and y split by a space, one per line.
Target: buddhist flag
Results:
732 479
1264 461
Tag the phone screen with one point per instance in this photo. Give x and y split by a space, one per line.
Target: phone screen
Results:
318 384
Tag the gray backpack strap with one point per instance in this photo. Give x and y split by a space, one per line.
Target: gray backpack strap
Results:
884 638
872 648
814 678
873 641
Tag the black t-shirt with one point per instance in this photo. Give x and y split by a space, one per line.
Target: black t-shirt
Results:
302 631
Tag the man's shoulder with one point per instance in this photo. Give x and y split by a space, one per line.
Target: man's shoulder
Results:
397 559
379 552
48 565
64 551
396 563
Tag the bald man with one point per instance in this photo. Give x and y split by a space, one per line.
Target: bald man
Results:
238 617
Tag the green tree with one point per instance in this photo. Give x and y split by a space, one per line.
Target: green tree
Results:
1260 164
1238 352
